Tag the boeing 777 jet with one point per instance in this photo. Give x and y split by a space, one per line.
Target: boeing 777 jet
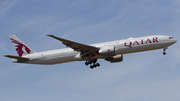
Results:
110 51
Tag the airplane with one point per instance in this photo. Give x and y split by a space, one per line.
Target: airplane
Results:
110 51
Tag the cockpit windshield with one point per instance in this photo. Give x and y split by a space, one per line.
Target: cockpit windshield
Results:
170 37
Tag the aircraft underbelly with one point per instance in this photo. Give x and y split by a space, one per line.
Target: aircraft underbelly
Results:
55 60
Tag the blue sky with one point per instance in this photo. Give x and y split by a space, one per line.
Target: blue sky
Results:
141 76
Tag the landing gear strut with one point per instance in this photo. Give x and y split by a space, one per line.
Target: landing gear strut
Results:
93 62
164 49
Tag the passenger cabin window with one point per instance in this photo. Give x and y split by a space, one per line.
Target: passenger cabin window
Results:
170 37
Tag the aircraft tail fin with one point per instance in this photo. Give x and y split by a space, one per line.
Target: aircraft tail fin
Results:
21 48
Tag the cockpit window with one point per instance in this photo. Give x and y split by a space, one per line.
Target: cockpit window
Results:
170 37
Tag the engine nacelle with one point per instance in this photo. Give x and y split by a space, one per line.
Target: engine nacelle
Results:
107 51
117 58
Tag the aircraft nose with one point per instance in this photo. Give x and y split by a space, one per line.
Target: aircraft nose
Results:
174 40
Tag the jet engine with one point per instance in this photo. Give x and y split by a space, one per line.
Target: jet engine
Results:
107 51
117 58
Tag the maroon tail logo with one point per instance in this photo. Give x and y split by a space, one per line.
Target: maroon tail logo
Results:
19 48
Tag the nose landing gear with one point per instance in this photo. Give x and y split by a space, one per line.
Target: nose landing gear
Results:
93 62
164 49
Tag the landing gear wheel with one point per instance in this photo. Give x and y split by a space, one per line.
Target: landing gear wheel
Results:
94 65
164 53
98 64
86 63
94 61
90 62
91 67
164 49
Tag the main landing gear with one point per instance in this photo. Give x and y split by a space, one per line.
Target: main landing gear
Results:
164 49
93 62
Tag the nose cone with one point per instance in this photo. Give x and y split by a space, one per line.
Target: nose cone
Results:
174 40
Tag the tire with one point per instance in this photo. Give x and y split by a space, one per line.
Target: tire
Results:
86 63
164 53
91 67
98 64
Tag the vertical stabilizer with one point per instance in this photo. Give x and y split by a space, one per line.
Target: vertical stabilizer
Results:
21 48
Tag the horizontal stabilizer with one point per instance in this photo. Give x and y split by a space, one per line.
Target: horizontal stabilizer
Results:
16 57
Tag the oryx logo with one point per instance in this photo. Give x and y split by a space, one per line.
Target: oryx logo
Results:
20 48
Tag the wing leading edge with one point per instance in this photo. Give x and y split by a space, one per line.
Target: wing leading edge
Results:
76 46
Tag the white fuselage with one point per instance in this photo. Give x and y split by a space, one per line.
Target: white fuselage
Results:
126 46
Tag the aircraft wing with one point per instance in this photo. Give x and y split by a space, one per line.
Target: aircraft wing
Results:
76 46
